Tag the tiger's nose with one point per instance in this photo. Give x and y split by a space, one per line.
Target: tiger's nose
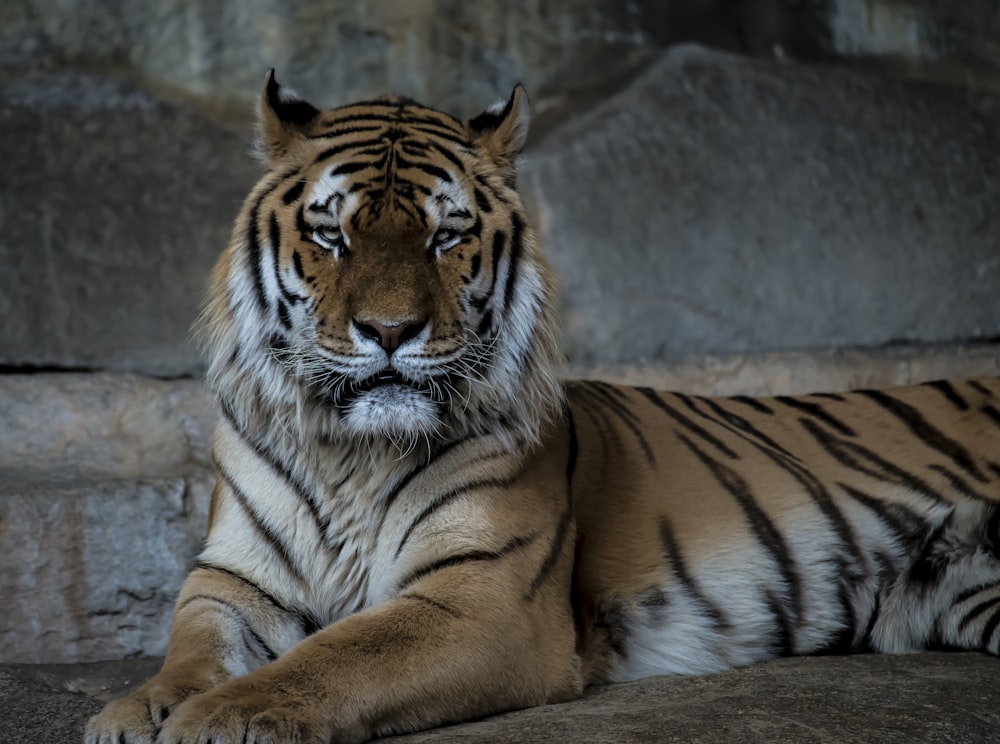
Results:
392 335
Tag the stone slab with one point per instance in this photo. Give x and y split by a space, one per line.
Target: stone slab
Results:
113 210
930 697
721 204
102 425
90 570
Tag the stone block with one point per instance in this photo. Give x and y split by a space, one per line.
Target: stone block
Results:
104 425
113 211
720 204
90 570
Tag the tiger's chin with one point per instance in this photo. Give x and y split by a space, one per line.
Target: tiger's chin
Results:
398 413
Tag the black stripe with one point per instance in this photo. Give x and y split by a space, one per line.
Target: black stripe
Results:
253 240
262 528
297 263
262 648
761 526
456 161
391 497
784 629
657 400
428 168
485 326
979 387
739 425
552 558
347 130
344 147
992 413
956 482
948 391
433 603
482 202
446 497
848 454
499 241
472 556
976 611
989 629
308 623
905 523
817 411
604 394
383 118
516 247
829 396
679 569
574 444
348 168
441 132
294 192
296 485
926 432
274 235
753 403
283 317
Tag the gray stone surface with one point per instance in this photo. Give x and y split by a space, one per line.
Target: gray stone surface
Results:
100 425
113 209
104 489
715 204
934 697
90 570
456 54
719 204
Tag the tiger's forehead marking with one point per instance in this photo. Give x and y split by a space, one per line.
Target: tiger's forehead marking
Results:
390 152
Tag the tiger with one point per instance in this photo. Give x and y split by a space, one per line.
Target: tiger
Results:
417 521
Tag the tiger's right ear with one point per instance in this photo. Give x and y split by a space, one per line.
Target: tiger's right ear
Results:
282 120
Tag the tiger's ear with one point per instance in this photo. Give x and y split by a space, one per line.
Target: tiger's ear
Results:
282 120
502 129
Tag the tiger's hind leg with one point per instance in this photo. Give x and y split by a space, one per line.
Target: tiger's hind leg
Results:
949 595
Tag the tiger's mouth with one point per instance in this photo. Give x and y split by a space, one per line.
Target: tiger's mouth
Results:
348 393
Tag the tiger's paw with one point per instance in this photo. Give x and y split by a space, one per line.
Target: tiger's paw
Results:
234 714
136 719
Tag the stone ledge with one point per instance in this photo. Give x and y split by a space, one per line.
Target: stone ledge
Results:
826 700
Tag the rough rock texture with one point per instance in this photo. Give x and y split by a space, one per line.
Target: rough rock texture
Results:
719 204
714 205
823 700
455 53
91 570
104 488
113 211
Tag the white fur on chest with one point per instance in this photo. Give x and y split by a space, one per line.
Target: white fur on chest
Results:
338 529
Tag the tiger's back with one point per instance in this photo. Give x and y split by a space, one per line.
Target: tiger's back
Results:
715 532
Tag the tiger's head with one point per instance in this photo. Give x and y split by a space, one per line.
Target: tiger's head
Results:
382 280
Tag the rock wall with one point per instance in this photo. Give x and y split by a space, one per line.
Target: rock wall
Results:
718 204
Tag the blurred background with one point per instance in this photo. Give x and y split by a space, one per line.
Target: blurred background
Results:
766 196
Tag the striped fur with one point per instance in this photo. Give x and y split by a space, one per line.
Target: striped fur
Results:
415 523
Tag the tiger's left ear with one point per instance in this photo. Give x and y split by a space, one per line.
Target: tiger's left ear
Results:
282 120
502 129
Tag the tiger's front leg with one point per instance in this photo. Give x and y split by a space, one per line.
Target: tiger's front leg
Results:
212 639
459 644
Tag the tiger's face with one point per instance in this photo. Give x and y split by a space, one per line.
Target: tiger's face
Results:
382 271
